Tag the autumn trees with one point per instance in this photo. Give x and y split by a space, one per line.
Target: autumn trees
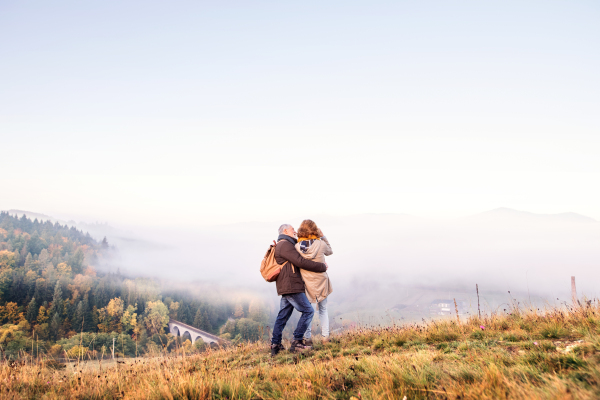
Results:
51 291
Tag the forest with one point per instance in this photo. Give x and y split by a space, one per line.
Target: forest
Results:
56 299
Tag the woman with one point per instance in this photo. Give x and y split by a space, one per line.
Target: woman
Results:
313 245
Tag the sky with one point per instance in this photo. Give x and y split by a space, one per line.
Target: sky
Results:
201 113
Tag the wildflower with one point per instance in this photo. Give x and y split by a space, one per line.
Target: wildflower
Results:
482 327
536 343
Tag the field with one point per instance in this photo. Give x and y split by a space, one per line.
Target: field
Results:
549 354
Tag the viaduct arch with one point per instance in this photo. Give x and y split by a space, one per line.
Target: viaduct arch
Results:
177 328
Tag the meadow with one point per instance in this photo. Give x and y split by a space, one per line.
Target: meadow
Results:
516 354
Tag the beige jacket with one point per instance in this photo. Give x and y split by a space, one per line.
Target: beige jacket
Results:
318 286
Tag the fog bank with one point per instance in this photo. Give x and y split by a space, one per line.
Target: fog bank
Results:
500 250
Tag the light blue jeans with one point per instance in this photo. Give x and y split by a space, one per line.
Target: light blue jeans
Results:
323 318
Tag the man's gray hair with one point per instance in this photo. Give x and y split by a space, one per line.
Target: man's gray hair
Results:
283 228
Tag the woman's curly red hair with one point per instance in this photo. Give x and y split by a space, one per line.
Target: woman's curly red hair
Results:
308 228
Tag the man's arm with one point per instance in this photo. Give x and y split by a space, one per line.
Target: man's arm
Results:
288 252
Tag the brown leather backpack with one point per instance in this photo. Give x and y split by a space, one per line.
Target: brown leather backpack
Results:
269 268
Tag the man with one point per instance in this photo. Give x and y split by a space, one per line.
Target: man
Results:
290 287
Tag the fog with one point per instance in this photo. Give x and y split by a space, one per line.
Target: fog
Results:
381 261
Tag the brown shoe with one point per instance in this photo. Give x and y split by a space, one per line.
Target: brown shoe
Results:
298 345
308 342
276 348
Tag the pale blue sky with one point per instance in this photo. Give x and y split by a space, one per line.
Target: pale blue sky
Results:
192 112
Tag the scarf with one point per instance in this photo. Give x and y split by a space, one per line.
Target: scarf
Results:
288 238
305 243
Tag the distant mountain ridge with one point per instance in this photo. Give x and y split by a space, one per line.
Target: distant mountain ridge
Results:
33 215
509 213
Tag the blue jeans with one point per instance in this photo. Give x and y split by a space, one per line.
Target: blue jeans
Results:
323 317
299 301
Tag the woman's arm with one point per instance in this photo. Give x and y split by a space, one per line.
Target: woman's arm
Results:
327 247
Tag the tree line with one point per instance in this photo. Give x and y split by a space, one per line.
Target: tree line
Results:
51 292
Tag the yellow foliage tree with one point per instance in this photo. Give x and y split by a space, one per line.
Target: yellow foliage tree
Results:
110 316
8 259
238 311
173 307
81 285
115 307
77 351
63 270
42 315
7 332
157 316
10 313
130 322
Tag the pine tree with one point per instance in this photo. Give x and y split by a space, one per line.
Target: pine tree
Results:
95 319
40 289
88 323
57 299
207 326
76 261
32 311
43 259
55 326
198 319
186 316
28 262
78 317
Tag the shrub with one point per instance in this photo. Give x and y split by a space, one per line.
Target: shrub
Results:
515 336
77 352
479 335
553 330
56 350
443 334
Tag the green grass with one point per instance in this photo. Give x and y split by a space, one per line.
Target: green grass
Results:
551 355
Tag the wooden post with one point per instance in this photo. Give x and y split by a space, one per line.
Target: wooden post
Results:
113 349
573 291
456 309
478 309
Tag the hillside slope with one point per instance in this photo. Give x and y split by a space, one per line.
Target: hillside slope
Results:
533 354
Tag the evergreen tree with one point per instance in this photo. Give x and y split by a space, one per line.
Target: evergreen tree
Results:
55 326
201 321
207 326
78 317
185 315
198 319
32 311
44 258
95 319
57 299
88 323
76 261
40 290
29 262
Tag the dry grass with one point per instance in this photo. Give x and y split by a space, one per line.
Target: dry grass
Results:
549 355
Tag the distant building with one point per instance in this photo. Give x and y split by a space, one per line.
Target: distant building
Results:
446 307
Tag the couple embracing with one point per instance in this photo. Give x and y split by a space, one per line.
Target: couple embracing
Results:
301 282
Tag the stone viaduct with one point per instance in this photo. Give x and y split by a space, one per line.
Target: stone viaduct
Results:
177 328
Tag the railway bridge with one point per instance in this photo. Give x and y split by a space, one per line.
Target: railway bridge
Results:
177 328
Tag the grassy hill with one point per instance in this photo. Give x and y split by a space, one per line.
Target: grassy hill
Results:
552 354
